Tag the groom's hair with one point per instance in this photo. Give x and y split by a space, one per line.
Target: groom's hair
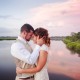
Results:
27 28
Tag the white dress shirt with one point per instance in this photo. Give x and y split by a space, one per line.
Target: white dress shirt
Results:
19 51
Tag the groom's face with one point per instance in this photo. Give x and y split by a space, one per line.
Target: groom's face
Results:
28 35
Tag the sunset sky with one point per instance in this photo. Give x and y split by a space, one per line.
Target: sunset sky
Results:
60 17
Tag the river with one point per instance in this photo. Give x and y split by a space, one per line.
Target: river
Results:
62 63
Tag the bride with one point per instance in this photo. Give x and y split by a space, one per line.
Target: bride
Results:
40 70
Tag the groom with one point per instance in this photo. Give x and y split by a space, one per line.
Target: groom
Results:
22 52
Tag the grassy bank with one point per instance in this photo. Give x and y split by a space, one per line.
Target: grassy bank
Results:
75 46
73 42
7 38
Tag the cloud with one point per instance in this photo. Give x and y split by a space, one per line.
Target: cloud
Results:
61 18
5 16
8 32
4 30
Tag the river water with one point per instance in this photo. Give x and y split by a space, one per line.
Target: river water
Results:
62 63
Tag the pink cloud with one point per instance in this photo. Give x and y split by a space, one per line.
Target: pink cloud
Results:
57 17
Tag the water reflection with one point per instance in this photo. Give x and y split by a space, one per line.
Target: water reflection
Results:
73 52
62 65
62 61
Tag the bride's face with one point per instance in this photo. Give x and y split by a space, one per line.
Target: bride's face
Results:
34 38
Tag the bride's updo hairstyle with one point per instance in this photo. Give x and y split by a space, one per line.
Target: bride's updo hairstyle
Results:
41 32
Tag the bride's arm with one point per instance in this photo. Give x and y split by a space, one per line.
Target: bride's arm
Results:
41 62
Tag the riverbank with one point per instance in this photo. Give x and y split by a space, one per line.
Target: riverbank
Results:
8 38
74 46
57 38
73 42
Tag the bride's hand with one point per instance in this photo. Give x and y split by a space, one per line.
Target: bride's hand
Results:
18 70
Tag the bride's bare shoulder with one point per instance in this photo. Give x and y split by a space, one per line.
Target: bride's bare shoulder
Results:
44 47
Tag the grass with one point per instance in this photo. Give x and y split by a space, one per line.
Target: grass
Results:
75 46
7 38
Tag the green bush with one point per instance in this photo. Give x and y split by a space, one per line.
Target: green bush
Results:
73 42
71 45
66 41
77 48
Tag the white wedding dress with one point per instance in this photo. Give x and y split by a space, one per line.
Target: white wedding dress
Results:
43 74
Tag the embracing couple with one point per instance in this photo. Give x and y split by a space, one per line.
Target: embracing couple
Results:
31 64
